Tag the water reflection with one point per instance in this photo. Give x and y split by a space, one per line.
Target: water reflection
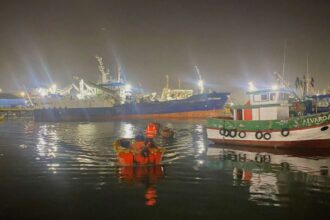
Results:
47 146
127 130
82 157
270 174
148 176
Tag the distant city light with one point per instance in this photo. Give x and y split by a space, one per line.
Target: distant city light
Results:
42 92
274 87
128 87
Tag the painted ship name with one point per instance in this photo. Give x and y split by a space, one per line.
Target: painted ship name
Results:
316 120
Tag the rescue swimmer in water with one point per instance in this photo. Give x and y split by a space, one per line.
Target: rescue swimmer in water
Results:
139 150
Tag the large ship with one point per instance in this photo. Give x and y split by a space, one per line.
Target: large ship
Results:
115 99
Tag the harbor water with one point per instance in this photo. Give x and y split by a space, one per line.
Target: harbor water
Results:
69 171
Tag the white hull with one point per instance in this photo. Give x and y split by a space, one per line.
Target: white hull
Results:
313 136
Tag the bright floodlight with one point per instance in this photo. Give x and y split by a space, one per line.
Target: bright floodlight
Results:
42 92
22 94
274 87
128 87
252 87
201 86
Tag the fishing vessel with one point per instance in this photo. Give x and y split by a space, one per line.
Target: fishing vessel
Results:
267 120
115 99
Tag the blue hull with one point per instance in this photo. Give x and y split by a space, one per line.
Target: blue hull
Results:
195 106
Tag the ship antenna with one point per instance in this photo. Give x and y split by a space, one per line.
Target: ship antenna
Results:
167 81
284 57
307 65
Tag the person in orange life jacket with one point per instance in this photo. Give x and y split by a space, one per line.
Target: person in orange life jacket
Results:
151 132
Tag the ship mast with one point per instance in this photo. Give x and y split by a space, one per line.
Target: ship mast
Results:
167 82
284 58
285 84
104 74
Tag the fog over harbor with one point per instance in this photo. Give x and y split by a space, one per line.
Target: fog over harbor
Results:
232 42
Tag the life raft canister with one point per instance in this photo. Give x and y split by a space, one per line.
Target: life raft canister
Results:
151 130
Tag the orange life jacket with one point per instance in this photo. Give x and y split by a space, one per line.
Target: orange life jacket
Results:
137 146
151 130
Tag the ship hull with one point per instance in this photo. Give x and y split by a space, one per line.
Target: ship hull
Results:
315 137
200 106
296 132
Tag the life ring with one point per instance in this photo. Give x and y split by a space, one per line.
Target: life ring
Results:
259 135
242 134
225 132
221 131
267 136
285 132
232 133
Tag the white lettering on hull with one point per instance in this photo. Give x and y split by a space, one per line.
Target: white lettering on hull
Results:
316 120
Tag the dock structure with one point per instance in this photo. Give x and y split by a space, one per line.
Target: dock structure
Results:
16 112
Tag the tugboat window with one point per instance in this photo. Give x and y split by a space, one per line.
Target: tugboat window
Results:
272 96
262 97
324 128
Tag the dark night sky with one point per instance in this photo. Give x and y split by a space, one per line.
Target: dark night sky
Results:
232 42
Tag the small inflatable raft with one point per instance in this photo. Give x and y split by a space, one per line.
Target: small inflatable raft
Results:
135 152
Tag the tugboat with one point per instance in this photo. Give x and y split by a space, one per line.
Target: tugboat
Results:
266 120
135 152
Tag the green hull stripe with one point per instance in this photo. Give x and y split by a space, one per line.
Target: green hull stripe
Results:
292 123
